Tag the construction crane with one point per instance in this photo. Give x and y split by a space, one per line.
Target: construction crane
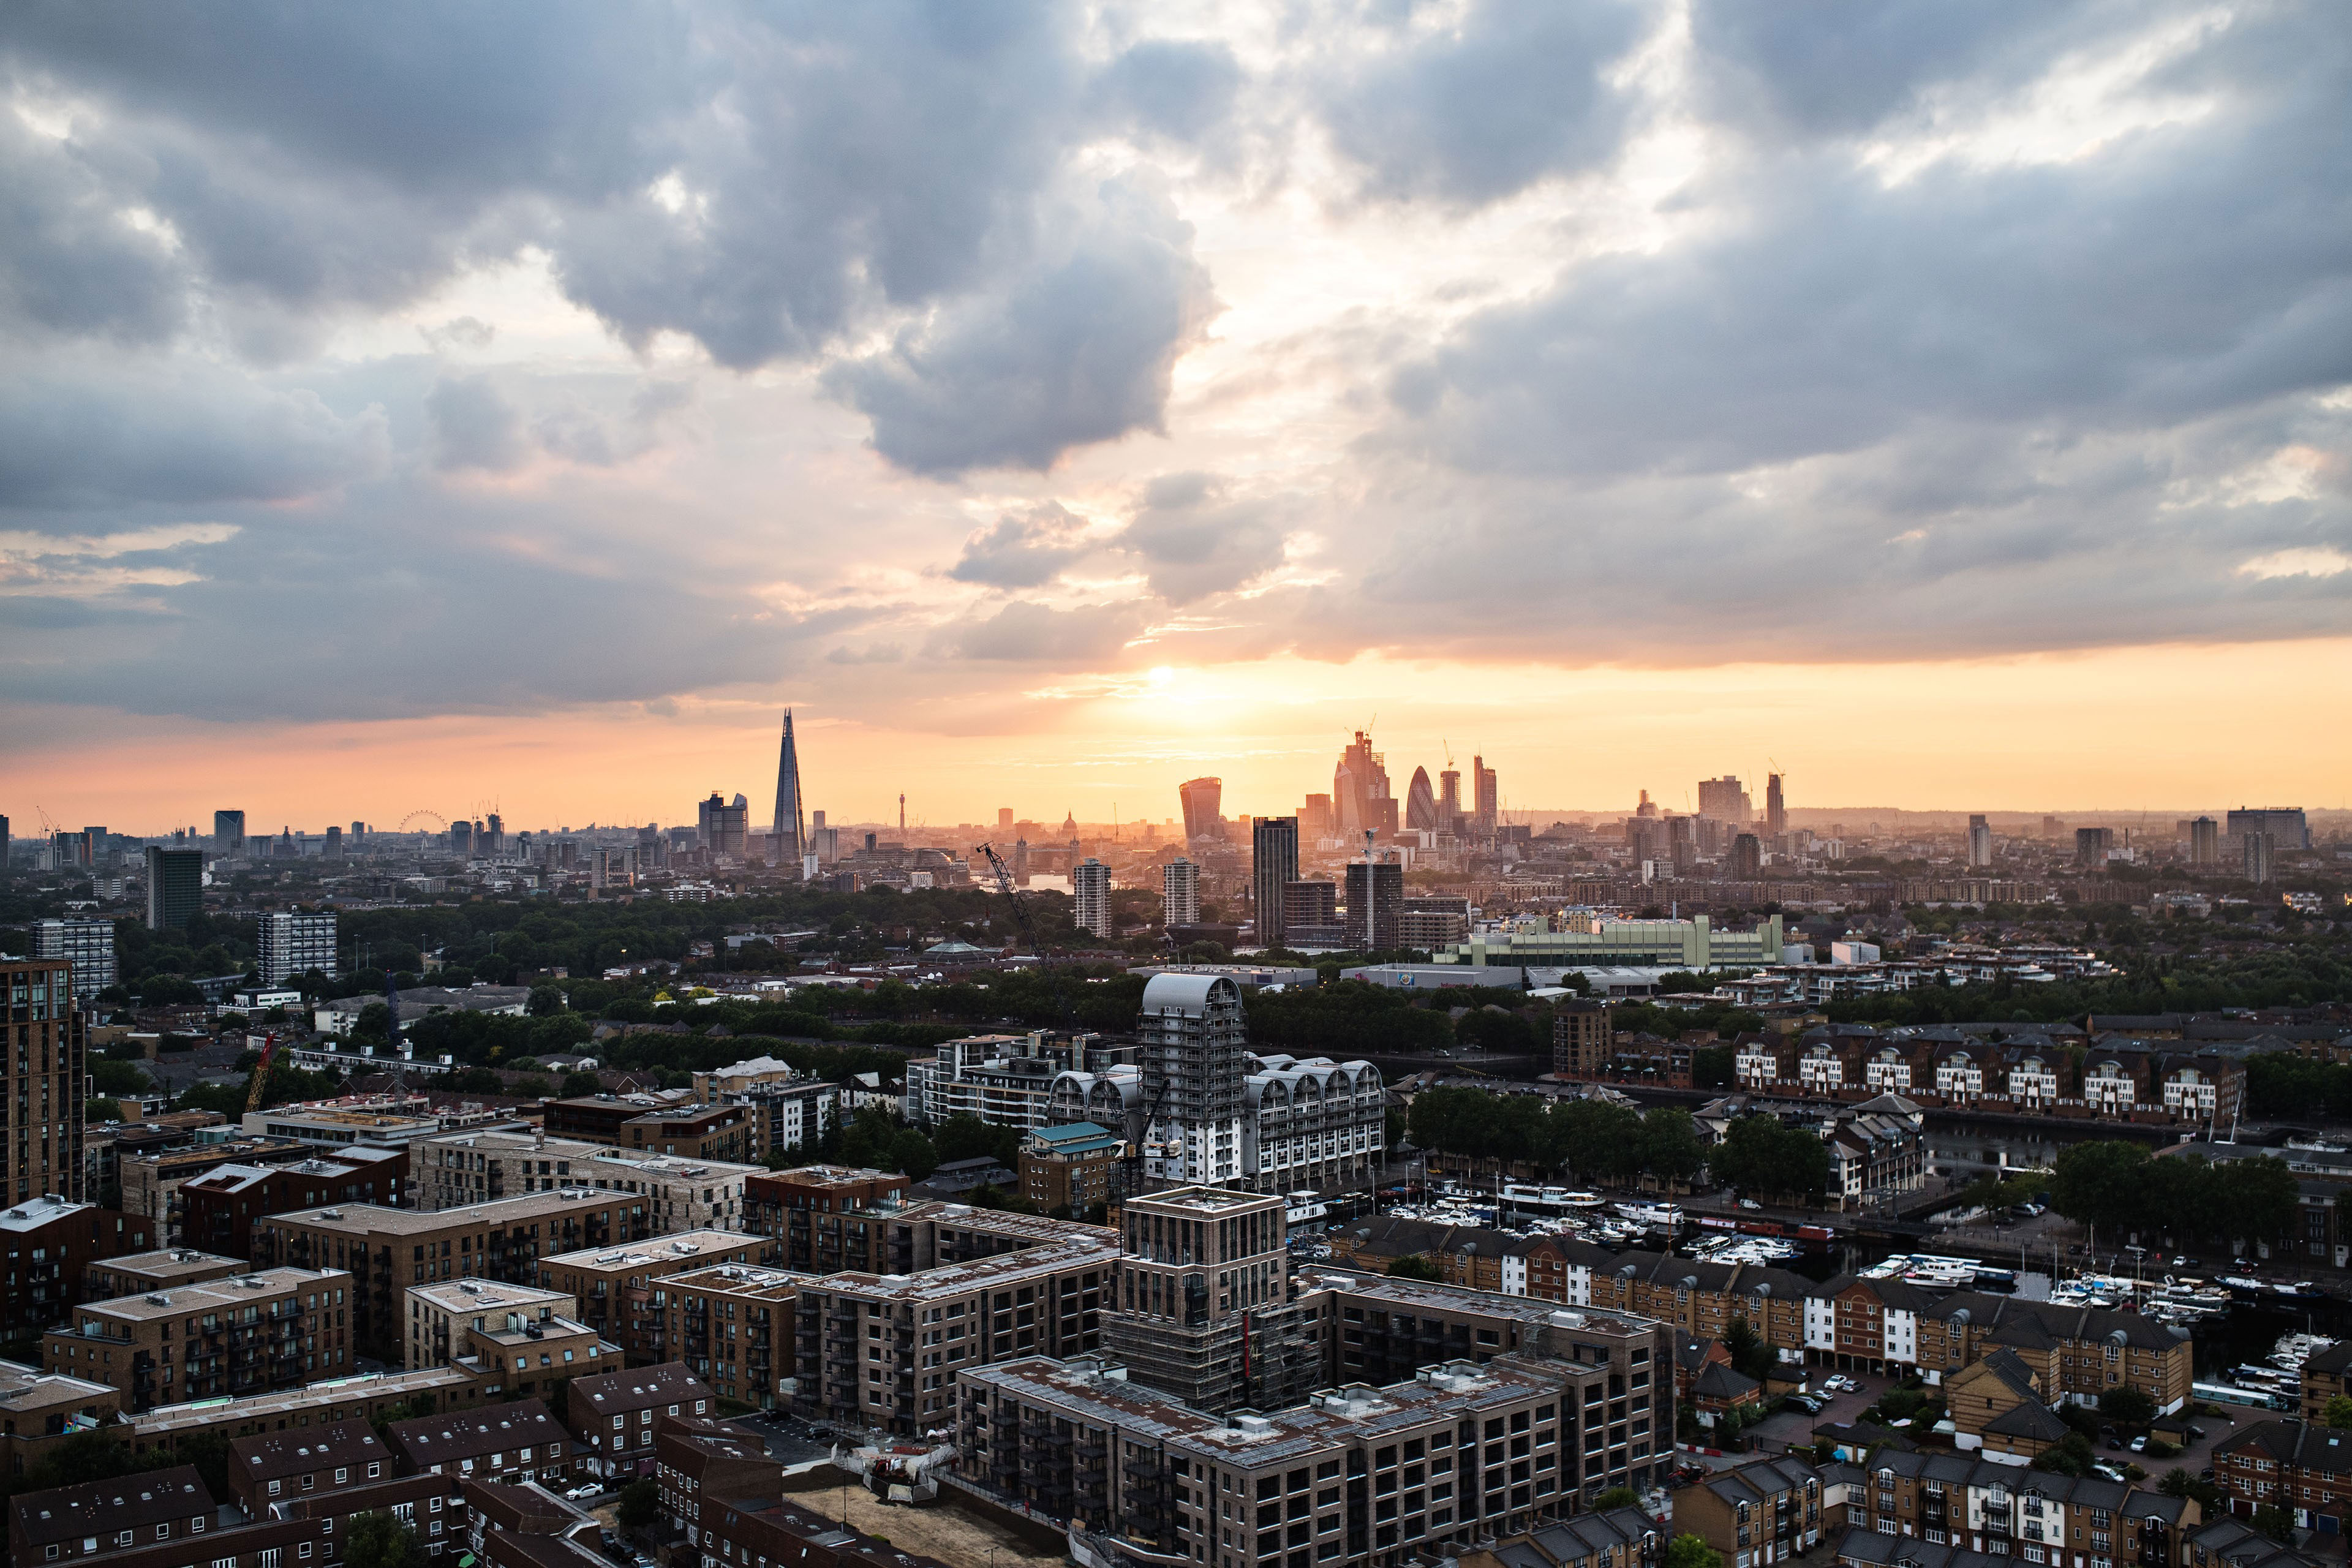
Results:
261 1073
1003 874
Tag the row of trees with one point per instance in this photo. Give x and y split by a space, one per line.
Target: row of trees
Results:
2118 1185
1591 1140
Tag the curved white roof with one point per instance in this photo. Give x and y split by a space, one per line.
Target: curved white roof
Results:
1191 992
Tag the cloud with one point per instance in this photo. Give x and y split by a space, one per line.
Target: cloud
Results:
1196 544
1178 88
71 261
1029 633
874 653
1474 112
473 426
1023 549
1076 351
2308 561
77 434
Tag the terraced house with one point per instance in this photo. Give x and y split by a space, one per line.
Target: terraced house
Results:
2297 1465
2006 1510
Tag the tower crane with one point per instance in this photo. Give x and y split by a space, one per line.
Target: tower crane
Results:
261 1073
1003 875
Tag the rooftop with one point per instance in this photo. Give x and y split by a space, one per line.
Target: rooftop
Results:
956 1278
360 1219
25 1389
395 1386
1204 1200
667 1251
481 1296
235 1290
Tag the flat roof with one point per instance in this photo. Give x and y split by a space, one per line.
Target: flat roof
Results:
233 1290
1207 1200
1426 1294
369 1218
486 1296
683 1247
167 1262
24 1387
392 1385
980 1273
743 1279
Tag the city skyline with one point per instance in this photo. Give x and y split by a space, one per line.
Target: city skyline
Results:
1633 392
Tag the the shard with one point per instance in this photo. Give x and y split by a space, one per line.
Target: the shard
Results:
790 837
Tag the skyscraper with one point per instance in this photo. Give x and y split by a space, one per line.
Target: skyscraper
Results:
1449 800
1004 819
1090 897
2092 844
49 1069
1179 893
2259 849
1421 803
293 944
1746 857
1375 904
87 944
723 825
175 887
334 850
1359 790
1725 800
1776 809
1273 861
1487 795
1980 842
2204 841
228 833
1204 802
785 826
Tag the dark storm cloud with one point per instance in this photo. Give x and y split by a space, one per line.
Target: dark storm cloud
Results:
1073 353
1471 114
765 180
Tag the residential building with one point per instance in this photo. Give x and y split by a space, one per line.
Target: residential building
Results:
1980 842
387 1250
2204 841
1694 944
1190 1035
1766 1512
622 1292
613 1415
508 1443
175 890
735 1327
293 944
2324 1377
514 1340
522 1524
87 944
2283 824
228 833
215 1211
1999 1406
244 1335
1613 1538
1005 1081
819 1214
1581 1043
1090 897
41 1144
48 1245
38 1410
797 1110
1274 867
365 1396
681 1192
1706 1379
2297 1465
1432 923
738 1526
2005 1509
109 1519
1878 1150
1072 1170
1199 1300
266 1469
881 1350
337 1127
1312 904
730 1133
152 1183
1375 912
1179 893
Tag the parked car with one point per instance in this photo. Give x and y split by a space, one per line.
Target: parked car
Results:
1749 1204
2140 1444
2109 1471
2198 1433
1841 1383
585 1490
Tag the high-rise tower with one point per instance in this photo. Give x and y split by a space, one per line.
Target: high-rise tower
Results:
1273 861
786 826
1776 809
1192 1035
1487 800
1203 801
1421 803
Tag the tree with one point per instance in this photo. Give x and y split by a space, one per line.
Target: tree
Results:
580 1083
2126 1406
2177 1482
640 1504
1413 1267
2276 1522
1615 1496
1761 1154
1751 1356
912 1152
2337 1414
377 1540
1692 1551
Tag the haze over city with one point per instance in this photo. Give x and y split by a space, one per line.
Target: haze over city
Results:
416 410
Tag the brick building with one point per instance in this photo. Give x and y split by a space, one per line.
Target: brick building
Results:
2008 1509
680 1192
736 1132
1074 1169
736 1327
1756 1514
621 1291
41 1145
821 1215
1582 1041
515 1342
2298 1464
246 1334
613 1416
217 1210
516 1442
263 1471
48 1245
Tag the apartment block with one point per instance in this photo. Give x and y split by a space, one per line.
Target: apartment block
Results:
49 1245
882 1351
293 944
622 1292
1756 1514
87 944
614 1417
39 1410
2298 1464
819 1214
164 1270
1582 1041
508 1443
1074 1170
364 1396
798 1110
246 1334
681 1194
733 1132
108 1518
152 1182
215 1211
169 1519
513 1341
738 1329
388 1250
41 1143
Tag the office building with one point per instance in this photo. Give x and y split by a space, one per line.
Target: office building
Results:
2259 849
294 944
1746 857
725 829
175 887
2092 844
1980 842
1360 801
461 839
1375 904
1274 865
88 946
1775 808
1489 791
1725 800
1190 1036
334 850
1432 923
2285 823
2204 841
228 833
1420 804
1695 944
1179 894
787 837
1203 801
1449 800
42 1143
1090 897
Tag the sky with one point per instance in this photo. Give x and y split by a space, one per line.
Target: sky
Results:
440 407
